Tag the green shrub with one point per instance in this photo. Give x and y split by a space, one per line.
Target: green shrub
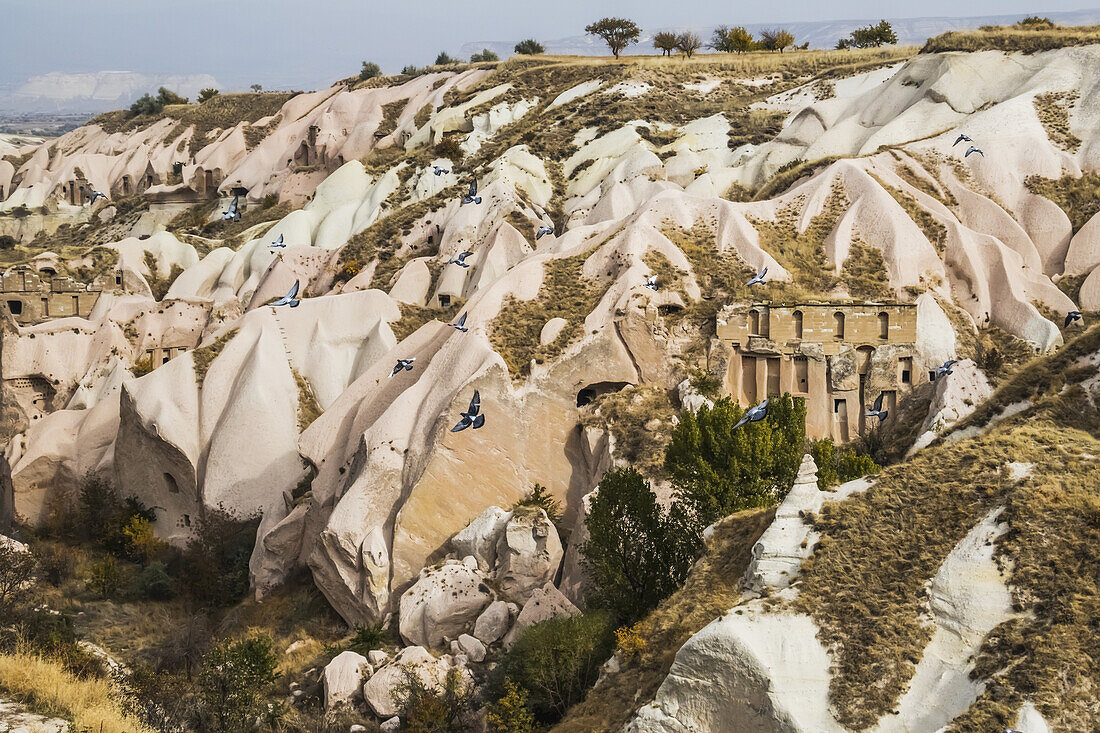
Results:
838 466
718 470
449 148
166 96
50 634
369 71
510 714
206 94
269 201
706 383
824 455
556 661
232 685
146 104
485 55
870 36
7 242
540 496
215 562
529 47
444 59
55 563
105 578
637 554
104 518
429 709
366 638
154 583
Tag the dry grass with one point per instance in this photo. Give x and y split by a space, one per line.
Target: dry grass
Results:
933 231
47 688
626 414
710 590
204 356
802 254
1053 110
565 293
1078 197
415 316
864 273
1013 38
308 409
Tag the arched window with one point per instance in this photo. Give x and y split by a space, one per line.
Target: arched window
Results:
754 322
798 324
838 326
883 325
170 480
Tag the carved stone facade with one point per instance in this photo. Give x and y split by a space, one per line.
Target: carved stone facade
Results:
838 357
30 298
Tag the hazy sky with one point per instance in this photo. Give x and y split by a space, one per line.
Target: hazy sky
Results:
305 43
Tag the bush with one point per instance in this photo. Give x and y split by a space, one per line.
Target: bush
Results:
104 518
17 571
540 496
529 47
146 104
49 634
510 714
444 59
1035 23
269 201
636 554
154 583
411 70
369 71
838 466
485 55
366 638
775 39
235 676
166 96
449 148
718 470
105 578
215 562
871 36
142 544
556 661
207 94
431 709
7 242
55 563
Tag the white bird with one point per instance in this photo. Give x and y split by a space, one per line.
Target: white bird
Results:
974 149
278 243
961 138
472 418
234 211
755 414
291 298
440 171
460 324
758 277
651 283
544 229
460 260
472 197
877 411
945 368
403 364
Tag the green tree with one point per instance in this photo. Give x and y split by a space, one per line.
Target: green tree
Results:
871 36
617 33
720 39
146 104
740 40
256 88
719 470
232 684
17 570
7 241
104 577
688 44
776 39
1035 23
637 554
824 455
215 561
369 71
166 96
529 47
485 55
665 42
444 59
556 661
510 713
839 465
205 95
155 583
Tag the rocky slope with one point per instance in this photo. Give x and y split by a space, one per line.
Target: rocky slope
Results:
837 172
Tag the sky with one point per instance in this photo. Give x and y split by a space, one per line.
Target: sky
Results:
301 45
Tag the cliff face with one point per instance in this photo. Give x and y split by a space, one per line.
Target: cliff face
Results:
845 186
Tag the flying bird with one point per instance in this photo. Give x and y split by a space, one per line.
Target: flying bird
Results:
440 171
758 277
945 368
877 411
472 197
406 364
472 418
97 195
460 260
1071 317
234 212
291 298
651 283
755 414
460 324
277 243
974 149
960 139
544 229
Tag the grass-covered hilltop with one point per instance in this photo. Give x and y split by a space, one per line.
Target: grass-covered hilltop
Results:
753 389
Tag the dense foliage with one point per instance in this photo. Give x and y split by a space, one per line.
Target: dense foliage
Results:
871 36
839 465
529 47
617 33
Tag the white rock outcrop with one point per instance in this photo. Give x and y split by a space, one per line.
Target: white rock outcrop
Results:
343 676
955 396
443 604
544 604
528 553
479 538
378 690
494 621
779 553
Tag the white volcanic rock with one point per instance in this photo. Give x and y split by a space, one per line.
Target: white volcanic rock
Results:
690 399
472 647
479 538
956 395
494 621
528 553
378 690
443 604
544 604
343 676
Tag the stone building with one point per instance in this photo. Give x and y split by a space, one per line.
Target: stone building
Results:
32 296
838 357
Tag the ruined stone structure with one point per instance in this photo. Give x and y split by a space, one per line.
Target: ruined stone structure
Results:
33 297
838 357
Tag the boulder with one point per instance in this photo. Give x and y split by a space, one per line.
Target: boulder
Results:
377 657
443 604
494 621
480 536
342 677
390 726
528 553
551 330
378 690
544 604
471 647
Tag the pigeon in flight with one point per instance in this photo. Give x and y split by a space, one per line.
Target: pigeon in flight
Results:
406 364
460 260
974 149
472 418
460 324
877 411
651 283
472 197
440 171
234 212
96 195
961 139
291 298
945 369
278 243
1071 317
544 229
755 414
758 277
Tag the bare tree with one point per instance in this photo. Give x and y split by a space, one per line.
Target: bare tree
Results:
688 44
